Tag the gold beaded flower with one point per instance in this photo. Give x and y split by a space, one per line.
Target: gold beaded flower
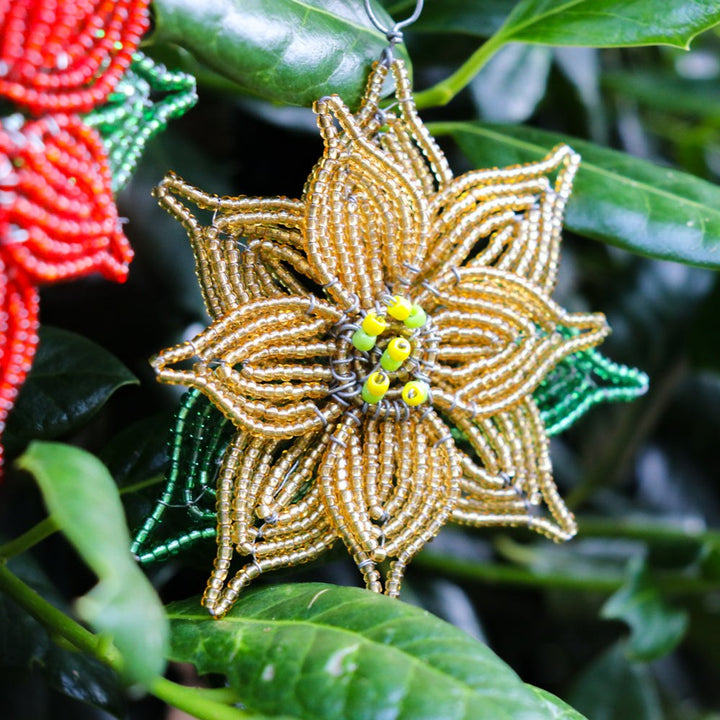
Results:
376 344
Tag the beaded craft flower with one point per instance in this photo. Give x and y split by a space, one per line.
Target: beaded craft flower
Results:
66 56
58 218
365 327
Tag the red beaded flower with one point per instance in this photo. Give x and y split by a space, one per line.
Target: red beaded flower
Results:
66 56
58 219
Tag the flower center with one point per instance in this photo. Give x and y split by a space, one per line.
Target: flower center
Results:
383 356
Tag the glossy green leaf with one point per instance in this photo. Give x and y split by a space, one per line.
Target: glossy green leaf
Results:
612 688
589 23
24 642
656 629
317 651
289 51
622 200
145 99
70 380
556 708
83 500
609 23
475 17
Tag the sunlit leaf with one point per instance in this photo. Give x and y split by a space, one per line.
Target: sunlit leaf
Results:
628 202
83 500
609 23
317 651
259 47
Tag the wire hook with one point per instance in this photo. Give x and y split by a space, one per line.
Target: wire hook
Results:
393 34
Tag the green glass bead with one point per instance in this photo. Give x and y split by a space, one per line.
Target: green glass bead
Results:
387 363
362 341
368 397
417 317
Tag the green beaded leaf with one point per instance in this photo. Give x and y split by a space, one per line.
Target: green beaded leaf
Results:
581 381
147 97
185 513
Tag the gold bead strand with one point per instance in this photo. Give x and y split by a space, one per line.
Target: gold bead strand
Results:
224 533
404 97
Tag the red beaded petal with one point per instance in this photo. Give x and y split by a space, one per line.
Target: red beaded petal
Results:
58 219
18 334
66 55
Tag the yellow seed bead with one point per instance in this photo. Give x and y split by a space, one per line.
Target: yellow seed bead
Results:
373 324
398 349
415 392
377 383
399 308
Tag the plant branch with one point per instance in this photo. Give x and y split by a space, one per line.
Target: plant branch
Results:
44 529
47 527
446 90
56 621
199 702
655 531
203 704
671 583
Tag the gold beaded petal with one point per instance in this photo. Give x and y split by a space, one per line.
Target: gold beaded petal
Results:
355 327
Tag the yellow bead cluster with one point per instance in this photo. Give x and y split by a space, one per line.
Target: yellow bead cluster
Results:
435 291
396 352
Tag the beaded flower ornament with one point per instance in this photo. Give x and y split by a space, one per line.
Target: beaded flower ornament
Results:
376 346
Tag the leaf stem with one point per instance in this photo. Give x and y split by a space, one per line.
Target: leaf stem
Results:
671 583
44 529
447 89
47 527
198 702
56 621
649 531
203 704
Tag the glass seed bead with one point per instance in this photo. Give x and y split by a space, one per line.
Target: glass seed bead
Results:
398 349
416 319
362 341
388 364
377 383
373 324
399 308
368 397
415 392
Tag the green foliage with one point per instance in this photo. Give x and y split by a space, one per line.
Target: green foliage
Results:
70 380
24 643
316 651
608 23
622 200
83 500
656 629
588 620
589 23
616 688
290 52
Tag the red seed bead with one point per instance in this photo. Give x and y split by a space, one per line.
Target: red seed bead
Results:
66 55
18 334
58 219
